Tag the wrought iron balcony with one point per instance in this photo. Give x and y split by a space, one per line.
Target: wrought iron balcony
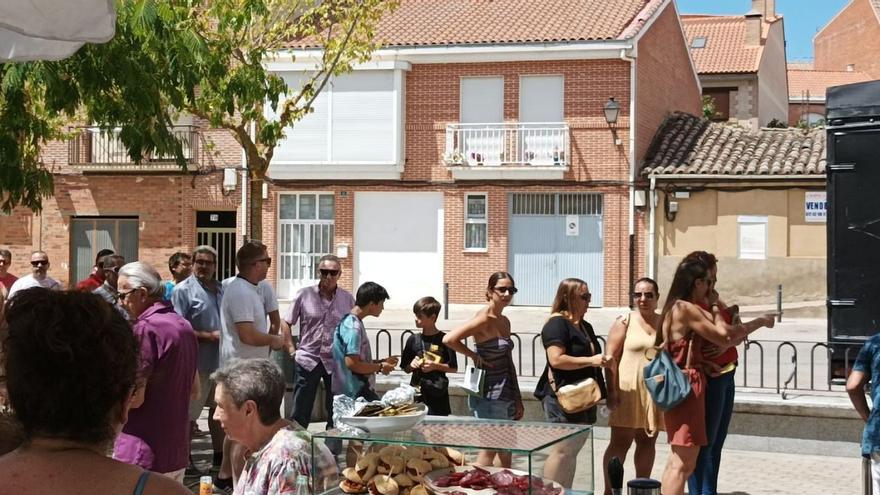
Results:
511 145
94 149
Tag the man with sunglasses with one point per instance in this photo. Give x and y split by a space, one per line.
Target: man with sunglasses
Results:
96 278
318 310
6 278
38 277
110 265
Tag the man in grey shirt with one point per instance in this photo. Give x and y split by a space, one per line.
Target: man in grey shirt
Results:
109 266
197 298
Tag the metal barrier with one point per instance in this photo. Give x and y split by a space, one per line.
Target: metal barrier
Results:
783 359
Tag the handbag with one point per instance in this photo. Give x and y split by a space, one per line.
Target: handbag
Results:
577 397
474 381
666 382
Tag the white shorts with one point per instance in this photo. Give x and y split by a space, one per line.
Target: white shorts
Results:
875 472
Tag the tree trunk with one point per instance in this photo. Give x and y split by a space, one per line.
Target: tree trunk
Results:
255 208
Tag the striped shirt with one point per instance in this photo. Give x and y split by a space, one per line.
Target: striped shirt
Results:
317 318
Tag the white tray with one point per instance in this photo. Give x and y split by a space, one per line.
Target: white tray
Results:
386 424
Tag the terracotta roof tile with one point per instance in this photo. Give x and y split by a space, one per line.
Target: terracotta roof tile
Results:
817 81
691 145
726 50
801 65
462 22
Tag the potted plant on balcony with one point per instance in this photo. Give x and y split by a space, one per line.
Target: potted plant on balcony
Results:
453 158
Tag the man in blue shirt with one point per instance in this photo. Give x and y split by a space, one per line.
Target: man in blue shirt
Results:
197 298
867 366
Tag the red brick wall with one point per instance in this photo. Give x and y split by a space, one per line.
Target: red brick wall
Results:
853 37
665 81
796 111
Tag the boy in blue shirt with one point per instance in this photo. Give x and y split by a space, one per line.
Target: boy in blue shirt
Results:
428 359
356 370
867 366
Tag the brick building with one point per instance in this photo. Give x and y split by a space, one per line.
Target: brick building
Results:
741 63
806 91
475 140
851 40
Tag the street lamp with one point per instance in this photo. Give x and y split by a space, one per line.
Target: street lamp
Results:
612 110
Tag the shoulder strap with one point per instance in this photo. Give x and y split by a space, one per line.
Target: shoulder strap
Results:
141 483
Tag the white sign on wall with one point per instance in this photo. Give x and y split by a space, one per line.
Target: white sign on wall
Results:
572 225
815 209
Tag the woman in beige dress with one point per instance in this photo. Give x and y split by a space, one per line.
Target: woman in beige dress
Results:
634 416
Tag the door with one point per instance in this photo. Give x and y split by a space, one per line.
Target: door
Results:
541 139
553 237
217 229
92 234
305 234
482 119
398 239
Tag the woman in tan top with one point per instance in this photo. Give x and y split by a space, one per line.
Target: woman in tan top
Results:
634 416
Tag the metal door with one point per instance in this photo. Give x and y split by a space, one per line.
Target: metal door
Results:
217 229
305 235
543 249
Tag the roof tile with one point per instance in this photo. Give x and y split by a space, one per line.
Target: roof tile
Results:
726 50
462 22
691 145
817 81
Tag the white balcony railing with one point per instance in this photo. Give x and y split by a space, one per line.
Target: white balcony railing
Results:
543 144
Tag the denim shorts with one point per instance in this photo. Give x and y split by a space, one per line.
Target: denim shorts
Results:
554 414
491 409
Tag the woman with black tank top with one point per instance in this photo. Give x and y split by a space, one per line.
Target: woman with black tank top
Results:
573 355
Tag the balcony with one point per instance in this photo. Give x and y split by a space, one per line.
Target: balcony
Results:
507 151
95 150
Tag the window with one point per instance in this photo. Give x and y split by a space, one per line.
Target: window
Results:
720 98
476 223
699 42
306 223
541 99
482 100
353 120
752 237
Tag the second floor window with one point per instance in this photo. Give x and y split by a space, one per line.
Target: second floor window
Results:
354 121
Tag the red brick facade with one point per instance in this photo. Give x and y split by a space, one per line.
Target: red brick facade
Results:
851 38
166 204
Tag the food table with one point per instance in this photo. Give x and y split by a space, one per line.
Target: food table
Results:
437 457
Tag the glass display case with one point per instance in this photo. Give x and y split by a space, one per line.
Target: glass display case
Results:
458 456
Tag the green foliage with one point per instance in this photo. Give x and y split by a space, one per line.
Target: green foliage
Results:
777 124
206 58
709 107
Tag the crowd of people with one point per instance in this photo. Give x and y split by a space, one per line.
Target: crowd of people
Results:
147 356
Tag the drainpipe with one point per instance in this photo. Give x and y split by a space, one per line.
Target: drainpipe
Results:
651 224
632 167
245 211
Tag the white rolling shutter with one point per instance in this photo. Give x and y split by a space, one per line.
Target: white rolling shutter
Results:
307 140
540 99
482 100
362 117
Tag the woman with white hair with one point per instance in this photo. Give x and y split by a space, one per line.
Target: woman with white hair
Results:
156 436
248 396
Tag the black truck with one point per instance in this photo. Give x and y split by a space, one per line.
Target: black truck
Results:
853 220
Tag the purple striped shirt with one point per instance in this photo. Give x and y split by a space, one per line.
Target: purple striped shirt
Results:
317 318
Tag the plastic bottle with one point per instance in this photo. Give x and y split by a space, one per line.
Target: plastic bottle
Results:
302 485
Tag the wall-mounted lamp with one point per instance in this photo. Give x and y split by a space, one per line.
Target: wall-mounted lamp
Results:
612 111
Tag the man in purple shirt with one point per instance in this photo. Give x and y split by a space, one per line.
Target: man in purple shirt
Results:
156 436
317 309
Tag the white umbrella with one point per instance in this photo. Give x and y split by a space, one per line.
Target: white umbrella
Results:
52 29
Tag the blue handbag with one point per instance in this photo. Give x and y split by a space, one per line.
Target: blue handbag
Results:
666 382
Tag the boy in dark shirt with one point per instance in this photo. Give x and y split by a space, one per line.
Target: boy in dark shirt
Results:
428 359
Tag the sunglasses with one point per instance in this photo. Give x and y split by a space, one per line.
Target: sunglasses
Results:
40 262
123 295
115 269
506 290
646 295
328 273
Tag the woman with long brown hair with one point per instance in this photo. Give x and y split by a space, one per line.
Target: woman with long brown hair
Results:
685 325
573 355
501 398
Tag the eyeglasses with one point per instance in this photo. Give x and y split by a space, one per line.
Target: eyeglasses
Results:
206 262
506 290
40 262
123 295
267 259
328 273
114 269
586 296
646 295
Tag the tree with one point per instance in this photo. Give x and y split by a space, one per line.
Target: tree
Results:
207 58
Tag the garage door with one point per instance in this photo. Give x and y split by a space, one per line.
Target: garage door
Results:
398 243
552 237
